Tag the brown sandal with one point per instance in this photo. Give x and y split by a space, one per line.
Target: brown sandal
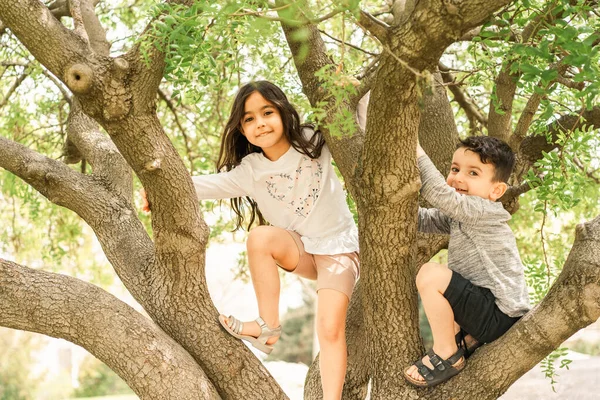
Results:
442 369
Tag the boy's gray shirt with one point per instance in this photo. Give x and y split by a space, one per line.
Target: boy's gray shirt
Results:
482 246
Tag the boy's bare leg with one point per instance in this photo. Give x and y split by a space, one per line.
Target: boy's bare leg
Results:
432 281
331 321
268 246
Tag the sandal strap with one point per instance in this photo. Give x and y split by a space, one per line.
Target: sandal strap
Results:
265 332
424 370
436 360
236 325
454 358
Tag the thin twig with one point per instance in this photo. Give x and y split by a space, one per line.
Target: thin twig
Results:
13 88
544 241
186 138
463 99
590 174
347 43
66 94
315 21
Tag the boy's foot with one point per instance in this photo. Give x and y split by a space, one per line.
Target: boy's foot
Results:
432 369
256 332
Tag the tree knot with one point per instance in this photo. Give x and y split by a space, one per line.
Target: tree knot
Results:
153 165
117 96
79 78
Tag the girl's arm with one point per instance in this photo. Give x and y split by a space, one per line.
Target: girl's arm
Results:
225 185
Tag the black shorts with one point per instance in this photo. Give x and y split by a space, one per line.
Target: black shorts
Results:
475 310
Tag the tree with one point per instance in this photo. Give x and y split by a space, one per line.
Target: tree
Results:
532 59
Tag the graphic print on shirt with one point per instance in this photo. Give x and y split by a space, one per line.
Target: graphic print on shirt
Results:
299 192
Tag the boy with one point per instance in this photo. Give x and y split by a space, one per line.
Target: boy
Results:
483 287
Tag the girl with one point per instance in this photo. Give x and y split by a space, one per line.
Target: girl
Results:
281 170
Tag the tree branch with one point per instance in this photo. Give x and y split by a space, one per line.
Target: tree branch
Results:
44 36
376 27
310 56
106 161
64 307
506 82
14 86
464 100
533 103
532 146
94 30
122 235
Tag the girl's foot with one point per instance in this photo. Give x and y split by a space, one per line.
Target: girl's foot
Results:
256 332
250 328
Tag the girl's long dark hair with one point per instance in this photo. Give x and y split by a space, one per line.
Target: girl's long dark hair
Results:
235 146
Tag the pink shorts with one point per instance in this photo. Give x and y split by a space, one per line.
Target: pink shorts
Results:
337 271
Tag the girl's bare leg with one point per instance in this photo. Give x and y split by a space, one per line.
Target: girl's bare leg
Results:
331 322
268 246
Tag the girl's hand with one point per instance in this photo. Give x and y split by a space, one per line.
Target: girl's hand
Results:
145 203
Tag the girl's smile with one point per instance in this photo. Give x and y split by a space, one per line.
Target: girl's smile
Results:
262 126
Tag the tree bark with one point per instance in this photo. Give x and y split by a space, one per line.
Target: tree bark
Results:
148 360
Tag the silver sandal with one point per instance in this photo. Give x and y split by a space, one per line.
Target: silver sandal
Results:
259 342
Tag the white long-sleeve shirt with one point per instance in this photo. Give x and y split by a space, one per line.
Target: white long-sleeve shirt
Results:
295 193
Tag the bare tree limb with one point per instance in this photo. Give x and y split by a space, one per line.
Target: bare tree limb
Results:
106 161
75 6
61 306
122 235
376 27
464 100
45 37
14 87
95 32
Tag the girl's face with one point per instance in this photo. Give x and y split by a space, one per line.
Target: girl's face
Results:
261 124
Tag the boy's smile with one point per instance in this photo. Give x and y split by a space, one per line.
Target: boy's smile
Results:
468 175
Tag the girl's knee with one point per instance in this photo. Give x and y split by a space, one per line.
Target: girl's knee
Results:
329 331
259 238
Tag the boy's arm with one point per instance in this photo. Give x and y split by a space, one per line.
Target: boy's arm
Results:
431 220
435 190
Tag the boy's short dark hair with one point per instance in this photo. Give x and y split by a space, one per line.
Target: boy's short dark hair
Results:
492 150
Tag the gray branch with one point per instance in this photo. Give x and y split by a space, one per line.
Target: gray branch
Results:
112 217
102 154
64 307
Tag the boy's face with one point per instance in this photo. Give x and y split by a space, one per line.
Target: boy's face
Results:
468 175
